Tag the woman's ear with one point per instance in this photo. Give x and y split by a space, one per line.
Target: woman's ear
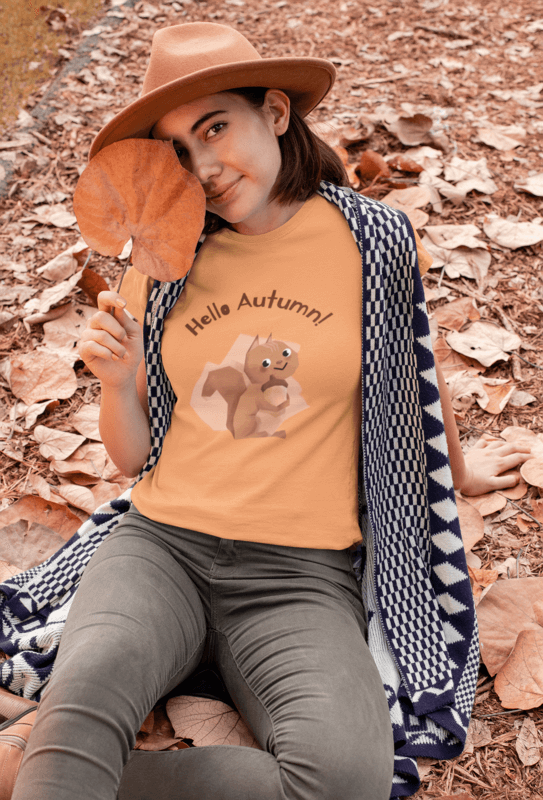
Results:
277 104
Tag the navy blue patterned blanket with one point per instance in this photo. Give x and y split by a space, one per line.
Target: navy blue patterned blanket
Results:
422 628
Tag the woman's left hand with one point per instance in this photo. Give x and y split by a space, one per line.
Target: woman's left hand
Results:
485 463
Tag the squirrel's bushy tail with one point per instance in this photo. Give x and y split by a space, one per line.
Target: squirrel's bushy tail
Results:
230 384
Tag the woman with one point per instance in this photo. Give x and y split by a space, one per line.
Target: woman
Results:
237 548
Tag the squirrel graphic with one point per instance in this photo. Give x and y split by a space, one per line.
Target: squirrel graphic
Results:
267 366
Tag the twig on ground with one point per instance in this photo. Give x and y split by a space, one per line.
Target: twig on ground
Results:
520 508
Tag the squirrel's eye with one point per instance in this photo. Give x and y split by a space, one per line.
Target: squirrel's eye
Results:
286 352
266 363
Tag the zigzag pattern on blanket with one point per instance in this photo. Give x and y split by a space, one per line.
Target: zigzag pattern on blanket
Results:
421 623
415 568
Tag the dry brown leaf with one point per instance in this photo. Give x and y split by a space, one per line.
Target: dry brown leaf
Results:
537 509
487 503
157 732
7 571
41 376
137 188
528 743
78 496
208 722
80 470
513 568
403 163
408 199
424 766
472 524
55 214
372 165
104 491
470 175
532 472
92 284
417 218
85 421
484 341
454 315
521 399
32 412
349 135
64 264
462 386
53 313
519 683
524 523
479 735
33 529
27 544
533 184
512 234
481 581
511 606
349 168
42 488
523 436
55 444
452 236
518 491
411 130
61 335
34 509
460 262
450 361
429 158
52 296
498 397
496 139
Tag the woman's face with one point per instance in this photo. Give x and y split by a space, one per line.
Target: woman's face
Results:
233 150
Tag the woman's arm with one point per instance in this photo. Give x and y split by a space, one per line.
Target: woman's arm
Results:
461 475
112 348
479 471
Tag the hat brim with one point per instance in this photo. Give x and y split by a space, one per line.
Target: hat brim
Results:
305 80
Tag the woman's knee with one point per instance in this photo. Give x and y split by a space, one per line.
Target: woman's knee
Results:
348 769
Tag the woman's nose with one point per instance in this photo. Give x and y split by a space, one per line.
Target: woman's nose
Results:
204 164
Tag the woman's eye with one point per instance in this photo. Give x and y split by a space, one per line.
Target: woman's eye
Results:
286 352
266 363
180 152
215 129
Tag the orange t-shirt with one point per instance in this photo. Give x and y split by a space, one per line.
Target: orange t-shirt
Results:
263 351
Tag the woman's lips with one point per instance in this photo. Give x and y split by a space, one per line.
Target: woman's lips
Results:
223 194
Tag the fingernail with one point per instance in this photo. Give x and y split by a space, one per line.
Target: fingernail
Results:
120 303
114 357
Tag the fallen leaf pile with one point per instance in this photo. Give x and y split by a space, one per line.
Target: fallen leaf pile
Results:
437 111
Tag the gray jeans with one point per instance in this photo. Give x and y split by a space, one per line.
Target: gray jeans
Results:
284 626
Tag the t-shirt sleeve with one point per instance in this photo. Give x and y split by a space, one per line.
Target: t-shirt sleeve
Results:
425 259
135 290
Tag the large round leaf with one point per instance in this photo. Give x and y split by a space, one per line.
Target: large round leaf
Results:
137 188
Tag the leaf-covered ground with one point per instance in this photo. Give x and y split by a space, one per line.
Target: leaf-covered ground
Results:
465 80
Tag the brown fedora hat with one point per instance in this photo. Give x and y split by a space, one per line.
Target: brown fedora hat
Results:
201 58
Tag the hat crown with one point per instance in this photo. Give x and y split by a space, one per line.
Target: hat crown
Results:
181 50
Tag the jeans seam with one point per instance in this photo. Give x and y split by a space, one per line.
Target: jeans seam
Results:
202 640
252 690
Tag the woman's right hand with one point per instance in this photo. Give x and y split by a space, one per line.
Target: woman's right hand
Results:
112 344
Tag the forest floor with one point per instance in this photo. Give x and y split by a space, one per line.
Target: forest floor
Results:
465 79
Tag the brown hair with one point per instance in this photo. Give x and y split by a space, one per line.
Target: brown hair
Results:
305 160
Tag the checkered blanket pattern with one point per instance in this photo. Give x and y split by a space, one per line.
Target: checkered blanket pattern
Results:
422 628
